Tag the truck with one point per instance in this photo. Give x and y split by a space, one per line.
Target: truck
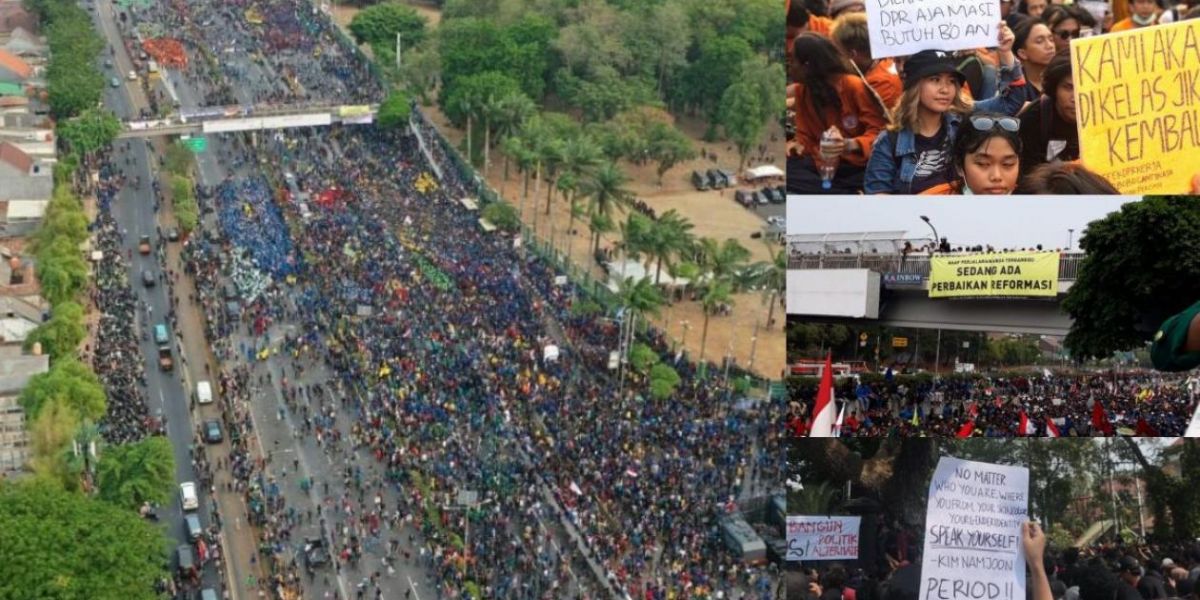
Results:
165 361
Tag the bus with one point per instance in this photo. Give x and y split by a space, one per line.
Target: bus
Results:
812 368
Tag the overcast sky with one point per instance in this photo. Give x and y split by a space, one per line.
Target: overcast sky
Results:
1002 221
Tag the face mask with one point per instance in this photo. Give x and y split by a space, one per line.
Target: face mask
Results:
1142 21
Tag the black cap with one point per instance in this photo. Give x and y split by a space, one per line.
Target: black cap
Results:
930 62
1129 564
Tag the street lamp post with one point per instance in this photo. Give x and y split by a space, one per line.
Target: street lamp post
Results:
1070 239
936 239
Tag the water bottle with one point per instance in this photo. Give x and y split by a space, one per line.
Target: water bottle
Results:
826 167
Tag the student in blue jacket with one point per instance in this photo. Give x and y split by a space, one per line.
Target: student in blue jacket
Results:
914 153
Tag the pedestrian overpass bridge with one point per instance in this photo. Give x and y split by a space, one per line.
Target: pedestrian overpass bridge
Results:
896 290
224 119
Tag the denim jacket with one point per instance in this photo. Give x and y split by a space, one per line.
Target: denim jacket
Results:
893 162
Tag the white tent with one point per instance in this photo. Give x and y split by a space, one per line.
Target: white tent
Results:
764 171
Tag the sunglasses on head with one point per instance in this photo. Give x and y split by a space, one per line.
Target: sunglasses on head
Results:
988 123
1068 34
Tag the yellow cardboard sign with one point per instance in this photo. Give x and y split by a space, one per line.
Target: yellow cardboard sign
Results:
1137 106
1020 274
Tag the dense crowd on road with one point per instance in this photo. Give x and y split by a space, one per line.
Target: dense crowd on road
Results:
1144 403
432 332
451 363
115 353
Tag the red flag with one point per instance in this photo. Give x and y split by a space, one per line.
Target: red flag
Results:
966 430
1144 429
1051 429
1100 419
1026 428
823 416
974 409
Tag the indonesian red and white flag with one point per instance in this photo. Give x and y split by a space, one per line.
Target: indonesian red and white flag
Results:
575 488
1051 429
837 427
1027 427
823 417
966 430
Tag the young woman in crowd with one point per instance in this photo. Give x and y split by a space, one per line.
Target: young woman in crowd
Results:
1034 45
1048 131
986 157
837 119
913 155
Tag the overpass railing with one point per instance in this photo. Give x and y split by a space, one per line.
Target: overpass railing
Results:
1068 264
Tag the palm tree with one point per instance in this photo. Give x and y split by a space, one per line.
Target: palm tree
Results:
567 184
512 146
606 193
512 111
635 237
578 211
553 155
489 110
721 260
670 235
718 294
639 298
773 279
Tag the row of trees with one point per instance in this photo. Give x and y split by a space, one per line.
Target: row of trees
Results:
72 81
497 63
72 527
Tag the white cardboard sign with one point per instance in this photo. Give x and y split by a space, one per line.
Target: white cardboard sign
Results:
973 532
822 538
903 27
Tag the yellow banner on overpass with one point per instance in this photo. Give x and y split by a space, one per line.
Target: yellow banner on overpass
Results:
353 110
1020 274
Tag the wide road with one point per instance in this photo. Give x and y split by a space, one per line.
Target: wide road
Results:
133 209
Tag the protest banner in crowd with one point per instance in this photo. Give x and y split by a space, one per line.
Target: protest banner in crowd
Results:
1137 98
822 538
973 531
903 27
1005 274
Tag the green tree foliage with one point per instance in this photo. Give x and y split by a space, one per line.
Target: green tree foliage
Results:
705 80
744 113
663 381
668 147
129 475
61 270
67 546
73 82
70 381
94 129
1125 288
179 159
61 335
379 24
64 219
605 93
50 435
642 357
521 51
183 201
395 110
606 193
502 215
467 95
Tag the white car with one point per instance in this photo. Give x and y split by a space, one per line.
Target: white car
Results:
187 495
133 76
204 392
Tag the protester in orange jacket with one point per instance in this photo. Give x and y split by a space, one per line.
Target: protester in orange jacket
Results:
829 96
